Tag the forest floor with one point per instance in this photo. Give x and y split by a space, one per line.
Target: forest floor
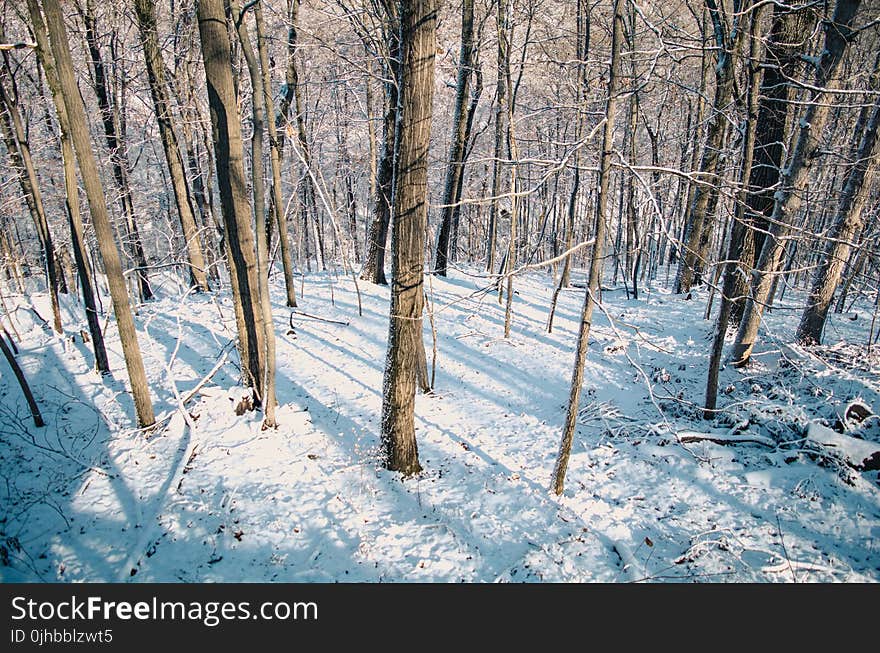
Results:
208 496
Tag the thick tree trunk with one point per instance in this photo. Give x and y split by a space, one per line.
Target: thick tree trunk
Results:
788 33
234 203
455 165
592 293
847 222
146 17
838 33
100 216
410 205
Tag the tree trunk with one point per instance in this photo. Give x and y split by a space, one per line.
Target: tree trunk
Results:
789 31
276 203
20 157
591 295
838 33
410 205
79 134
455 165
22 382
738 227
700 219
146 17
500 115
266 382
374 264
84 271
235 207
847 222
110 120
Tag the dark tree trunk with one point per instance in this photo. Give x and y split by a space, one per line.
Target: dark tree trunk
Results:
838 33
235 206
455 165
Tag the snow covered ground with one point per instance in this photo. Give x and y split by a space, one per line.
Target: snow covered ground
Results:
211 497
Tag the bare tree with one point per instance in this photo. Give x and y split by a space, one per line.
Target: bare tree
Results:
235 207
838 34
849 219
596 263
410 207
146 17
84 271
79 134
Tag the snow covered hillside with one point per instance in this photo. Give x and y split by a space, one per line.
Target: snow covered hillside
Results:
654 492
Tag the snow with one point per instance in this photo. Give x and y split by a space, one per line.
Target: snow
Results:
209 496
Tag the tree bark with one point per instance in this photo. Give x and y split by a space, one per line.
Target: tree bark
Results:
374 263
79 134
788 32
276 204
700 220
455 165
847 222
501 100
838 33
74 218
738 227
235 207
410 205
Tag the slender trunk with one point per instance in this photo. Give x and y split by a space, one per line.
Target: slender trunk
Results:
91 179
146 17
592 293
110 119
20 157
501 100
374 264
266 382
74 218
738 228
276 204
455 165
700 222
22 382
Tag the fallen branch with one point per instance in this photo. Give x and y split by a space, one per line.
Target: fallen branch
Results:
315 317
686 437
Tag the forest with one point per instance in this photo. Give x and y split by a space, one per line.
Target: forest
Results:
463 291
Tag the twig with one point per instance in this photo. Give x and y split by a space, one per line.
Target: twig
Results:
314 317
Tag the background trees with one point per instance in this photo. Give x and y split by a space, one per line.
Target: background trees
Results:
740 165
